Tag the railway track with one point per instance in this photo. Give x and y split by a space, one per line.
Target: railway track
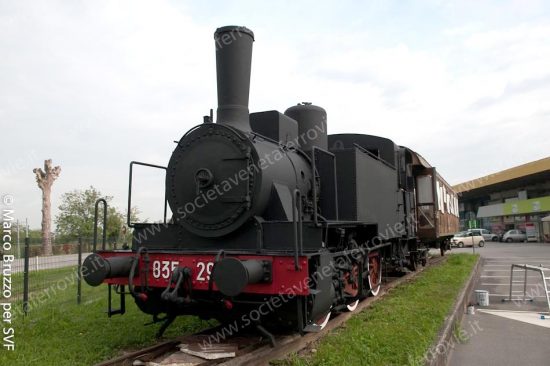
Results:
249 349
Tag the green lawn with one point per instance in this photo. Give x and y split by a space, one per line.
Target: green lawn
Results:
57 331
45 279
398 329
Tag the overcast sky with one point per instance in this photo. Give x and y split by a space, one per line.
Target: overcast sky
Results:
96 84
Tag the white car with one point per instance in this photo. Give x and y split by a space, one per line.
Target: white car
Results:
465 239
487 235
514 235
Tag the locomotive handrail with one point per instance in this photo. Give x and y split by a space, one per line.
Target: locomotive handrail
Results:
297 225
104 241
316 215
300 223
314 169
135 265
128 216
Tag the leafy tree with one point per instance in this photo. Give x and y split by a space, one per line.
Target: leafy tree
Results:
76 216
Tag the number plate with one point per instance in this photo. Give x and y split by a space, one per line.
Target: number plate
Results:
162 269
160 266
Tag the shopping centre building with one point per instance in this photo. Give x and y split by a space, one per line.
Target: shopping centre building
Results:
515 198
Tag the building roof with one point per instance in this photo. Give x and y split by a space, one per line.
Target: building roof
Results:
520 171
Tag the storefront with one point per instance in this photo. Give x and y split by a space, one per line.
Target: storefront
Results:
525 215
546 229
517 198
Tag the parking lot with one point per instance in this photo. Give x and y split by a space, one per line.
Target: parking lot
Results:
495 275
509 332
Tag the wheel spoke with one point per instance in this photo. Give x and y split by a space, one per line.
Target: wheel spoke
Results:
351 287
375 273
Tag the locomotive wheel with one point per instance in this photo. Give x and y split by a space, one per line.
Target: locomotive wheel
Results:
424 261
322 321
351 287
375 273
353 305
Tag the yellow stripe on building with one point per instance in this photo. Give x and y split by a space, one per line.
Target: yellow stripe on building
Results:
519 171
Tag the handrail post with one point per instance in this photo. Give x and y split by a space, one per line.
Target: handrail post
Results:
26 276
546 288
79 270
129 211
297 226
300 223
314 169
511 279
295 230
525 284
104 237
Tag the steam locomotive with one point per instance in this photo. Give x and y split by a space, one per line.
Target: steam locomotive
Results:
274 222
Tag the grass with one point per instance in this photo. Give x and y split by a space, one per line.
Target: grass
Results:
398 329
57 331
40 280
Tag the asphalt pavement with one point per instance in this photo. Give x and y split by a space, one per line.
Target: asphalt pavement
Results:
507 332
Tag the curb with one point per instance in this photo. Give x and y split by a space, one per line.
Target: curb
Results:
455 316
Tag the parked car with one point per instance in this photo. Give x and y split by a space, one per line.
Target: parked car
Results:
487 235
514 235
465 238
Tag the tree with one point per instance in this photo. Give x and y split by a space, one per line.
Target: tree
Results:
45 179
76 216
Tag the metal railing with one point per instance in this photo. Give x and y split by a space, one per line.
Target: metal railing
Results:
526 268
37 280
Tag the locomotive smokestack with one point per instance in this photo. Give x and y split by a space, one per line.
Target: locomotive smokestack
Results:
233 61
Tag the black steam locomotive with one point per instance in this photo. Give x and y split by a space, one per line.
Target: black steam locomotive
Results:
275 223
